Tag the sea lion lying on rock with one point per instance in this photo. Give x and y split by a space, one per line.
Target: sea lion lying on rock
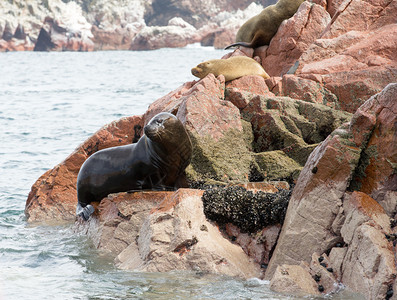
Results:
157 162
260 29
232 68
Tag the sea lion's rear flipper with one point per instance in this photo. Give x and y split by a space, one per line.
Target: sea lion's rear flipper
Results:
259 39
244 44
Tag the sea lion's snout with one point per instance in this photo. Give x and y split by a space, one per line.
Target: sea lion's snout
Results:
195 71
158 123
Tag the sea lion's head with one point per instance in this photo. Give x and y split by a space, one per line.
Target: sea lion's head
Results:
168 132
166 129
203 69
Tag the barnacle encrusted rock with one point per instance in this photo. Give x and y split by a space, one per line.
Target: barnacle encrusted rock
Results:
247 210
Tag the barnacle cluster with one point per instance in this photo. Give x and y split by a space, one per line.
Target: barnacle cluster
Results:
247 210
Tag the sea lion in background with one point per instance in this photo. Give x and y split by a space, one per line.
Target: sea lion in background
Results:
232 68
157 162
260 29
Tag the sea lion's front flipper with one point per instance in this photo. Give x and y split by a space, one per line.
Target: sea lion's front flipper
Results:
84 212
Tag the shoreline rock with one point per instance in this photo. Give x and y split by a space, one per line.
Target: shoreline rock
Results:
329 207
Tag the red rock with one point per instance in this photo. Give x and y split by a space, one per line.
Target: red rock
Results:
169 102
360 16
219 38
307 90
237 90
224 38
333 6
120 219
166 231
353 66
293 37
53 196
322 211
376 175
17 41
339 62
216 115
117 39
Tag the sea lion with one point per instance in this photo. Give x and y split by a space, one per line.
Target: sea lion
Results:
157 162
232 68
260 29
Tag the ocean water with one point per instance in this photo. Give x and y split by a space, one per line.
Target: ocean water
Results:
49 104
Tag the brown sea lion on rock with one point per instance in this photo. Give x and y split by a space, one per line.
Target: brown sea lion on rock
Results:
232 68
157 162
260 29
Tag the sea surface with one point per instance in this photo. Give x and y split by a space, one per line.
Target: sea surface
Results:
49 104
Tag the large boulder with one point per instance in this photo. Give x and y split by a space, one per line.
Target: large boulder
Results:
165 231
345 195
302 30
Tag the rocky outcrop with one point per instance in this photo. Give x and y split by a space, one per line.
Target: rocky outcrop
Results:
345 196
165 231
53 36
339 57
83 25
226 140
177 33
57 26
329 60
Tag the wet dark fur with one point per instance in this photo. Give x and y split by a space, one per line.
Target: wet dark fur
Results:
156 162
